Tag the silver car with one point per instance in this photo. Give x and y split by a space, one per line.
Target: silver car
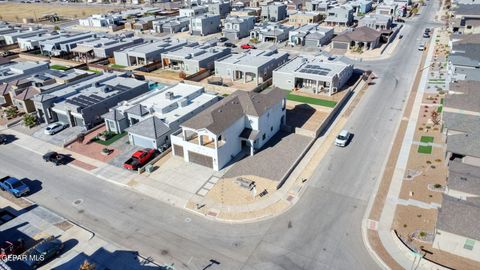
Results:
342 138
54 128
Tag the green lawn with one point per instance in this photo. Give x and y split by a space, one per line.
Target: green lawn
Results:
94 71
424 149
111 140
309 100
117 66
440 109
225 95
426 139
442 101
58 67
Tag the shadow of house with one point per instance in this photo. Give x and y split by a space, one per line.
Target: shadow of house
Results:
106 260
299 115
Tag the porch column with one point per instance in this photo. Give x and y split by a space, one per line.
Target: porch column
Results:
184 134
200 139
318 87
252 150
216 143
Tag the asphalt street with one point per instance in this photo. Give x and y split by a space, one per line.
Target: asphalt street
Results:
322 231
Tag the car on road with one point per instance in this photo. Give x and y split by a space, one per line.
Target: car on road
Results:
222 39
56 158
12 248
426 35
400 20
421 47
229 45
3 139
427 30
343 138
139 159
247 46
14 186
43 251
54 128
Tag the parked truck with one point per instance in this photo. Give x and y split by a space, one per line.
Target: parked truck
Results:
14 186
139 159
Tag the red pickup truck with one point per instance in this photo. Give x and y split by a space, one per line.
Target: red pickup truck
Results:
139 159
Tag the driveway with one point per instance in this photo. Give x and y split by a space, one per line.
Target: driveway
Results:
61 137
274 159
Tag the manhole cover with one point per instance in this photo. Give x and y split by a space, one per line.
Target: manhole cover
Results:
188 219
78 202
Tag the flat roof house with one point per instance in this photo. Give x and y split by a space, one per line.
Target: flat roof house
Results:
389 9
107 21
64 43
83 103
304 17
320 74
30 43
147 53
243 120
340 16
17 70
235 27
310 35
104 47
191 58
192 11
361 38
250 66
376 21
172 25
321 6
205 25
219 8
151 118
12 37
274 12
270 32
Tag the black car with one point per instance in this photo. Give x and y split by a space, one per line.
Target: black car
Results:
3 139
400 20
43 251
222 39
229 45
56 158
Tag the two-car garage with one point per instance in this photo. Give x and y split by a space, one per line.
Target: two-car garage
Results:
193 157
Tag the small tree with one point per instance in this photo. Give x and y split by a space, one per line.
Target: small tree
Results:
11 112
435 118
29 120
56 28
87 266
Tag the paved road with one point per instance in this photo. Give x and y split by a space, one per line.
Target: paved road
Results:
322 231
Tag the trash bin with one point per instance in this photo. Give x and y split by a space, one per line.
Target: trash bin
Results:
149 168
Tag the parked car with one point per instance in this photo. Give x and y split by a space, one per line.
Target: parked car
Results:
343 138
222 39
400 20
55 128
426 35
139 159
12 248
421 47
247 46
229 45
14 186
56 158
427 30
3 139
47 249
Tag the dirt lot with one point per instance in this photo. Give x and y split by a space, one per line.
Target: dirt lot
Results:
15 12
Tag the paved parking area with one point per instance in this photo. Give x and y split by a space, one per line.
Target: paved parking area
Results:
274 160
59 138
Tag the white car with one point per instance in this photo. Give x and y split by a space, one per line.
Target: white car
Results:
421 47
342 138
55 128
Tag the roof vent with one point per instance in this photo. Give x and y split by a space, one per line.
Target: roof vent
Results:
169 95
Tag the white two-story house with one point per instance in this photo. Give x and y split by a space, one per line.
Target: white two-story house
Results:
241 121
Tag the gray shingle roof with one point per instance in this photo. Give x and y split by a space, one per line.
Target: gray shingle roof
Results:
138 110
114 115
467 10
224 113
459 217
363 33
464 144
465 54
464 177
152 127
466 96
462 122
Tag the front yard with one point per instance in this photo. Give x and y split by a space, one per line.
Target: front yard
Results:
310 100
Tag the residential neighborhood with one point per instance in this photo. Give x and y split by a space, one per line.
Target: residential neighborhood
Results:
252 134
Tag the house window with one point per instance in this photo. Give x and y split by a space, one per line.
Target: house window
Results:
264 136
271 128
469 243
